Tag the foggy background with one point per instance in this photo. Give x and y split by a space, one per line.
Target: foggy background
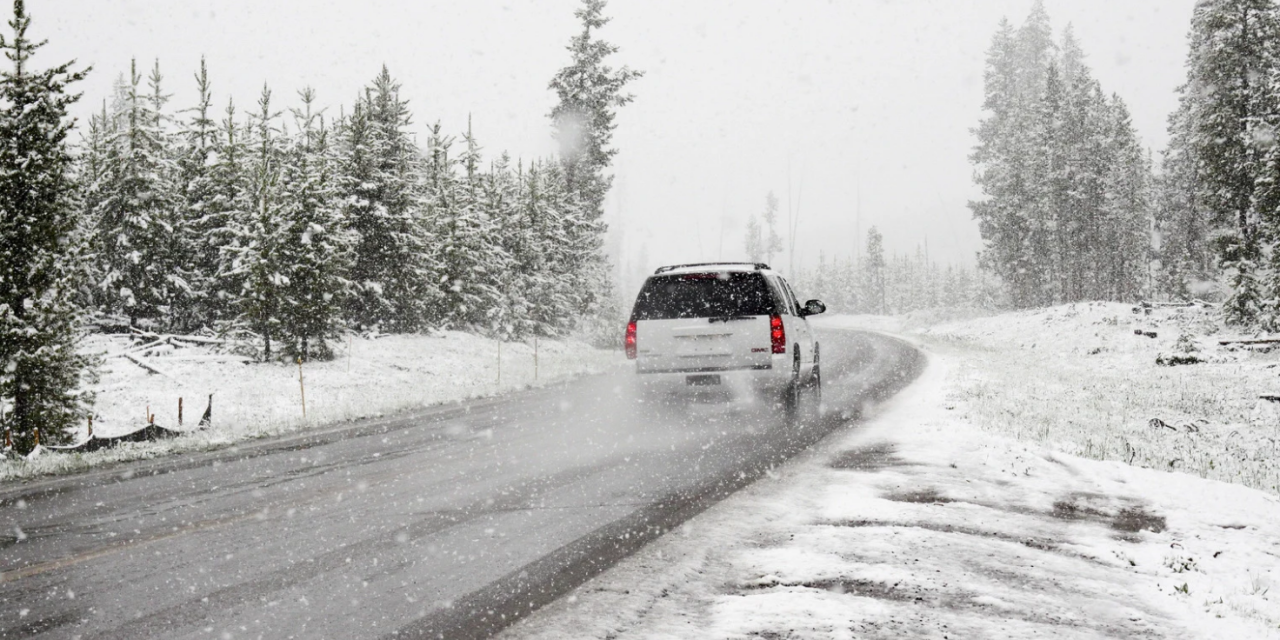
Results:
854 113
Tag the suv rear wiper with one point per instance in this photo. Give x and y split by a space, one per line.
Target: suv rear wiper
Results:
729 318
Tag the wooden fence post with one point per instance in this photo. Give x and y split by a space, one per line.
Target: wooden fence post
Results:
303 388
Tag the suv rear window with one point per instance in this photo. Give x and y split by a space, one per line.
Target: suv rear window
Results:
704 295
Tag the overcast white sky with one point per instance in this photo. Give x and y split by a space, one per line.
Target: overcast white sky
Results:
817 99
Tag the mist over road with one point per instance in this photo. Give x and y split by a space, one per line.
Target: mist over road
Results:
448 522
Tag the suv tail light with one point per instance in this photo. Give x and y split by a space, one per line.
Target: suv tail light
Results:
630 341
777 334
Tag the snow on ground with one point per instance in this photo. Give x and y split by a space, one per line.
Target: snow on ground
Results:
369 377
1080 379
923 522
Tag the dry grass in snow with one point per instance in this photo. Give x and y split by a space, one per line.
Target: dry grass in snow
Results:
1079 377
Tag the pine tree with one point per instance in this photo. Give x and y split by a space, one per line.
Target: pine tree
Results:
91 176
137 212
1126 210
1066 209
40 370
754 240
874 273
260 262
546 207
392 274
229 205
466 235
201 220
314 250
507 264
589 92
772 244
1225 106
1001 159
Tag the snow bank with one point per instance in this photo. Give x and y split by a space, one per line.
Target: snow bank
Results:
370 377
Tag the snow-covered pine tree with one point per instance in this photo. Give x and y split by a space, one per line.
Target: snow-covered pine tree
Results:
260 232
874 273
508 318
1046 251
589 92
1225 103
177 297
452 234
41 372
1186 260
1266 197
135 217
1127 210
544 203
201 218
1002 170
221 226
772 243
314 249
466 237
392 275
91 173
754 240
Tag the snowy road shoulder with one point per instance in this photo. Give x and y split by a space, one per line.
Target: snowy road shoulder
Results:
369 378
916 524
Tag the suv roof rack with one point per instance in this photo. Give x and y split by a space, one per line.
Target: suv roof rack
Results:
758 266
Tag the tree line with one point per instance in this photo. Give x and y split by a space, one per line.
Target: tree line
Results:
875 283
284 223
1218 218
294 226
1068 191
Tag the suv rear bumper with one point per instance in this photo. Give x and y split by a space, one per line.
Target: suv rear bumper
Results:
762 378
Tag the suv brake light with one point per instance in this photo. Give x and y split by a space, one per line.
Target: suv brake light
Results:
777 334
630 341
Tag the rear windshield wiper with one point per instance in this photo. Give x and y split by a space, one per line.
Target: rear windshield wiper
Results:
729 318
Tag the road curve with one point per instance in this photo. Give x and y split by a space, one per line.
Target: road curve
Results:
452 522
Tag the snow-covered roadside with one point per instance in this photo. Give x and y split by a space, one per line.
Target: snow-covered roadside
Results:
919 524
1085 379
369 377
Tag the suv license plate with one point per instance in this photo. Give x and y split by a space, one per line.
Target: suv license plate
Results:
702 381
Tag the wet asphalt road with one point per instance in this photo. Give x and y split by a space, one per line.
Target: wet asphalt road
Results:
449 523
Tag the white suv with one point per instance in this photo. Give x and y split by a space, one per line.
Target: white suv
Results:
731 325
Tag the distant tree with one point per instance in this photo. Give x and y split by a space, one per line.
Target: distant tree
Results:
754 240
41 372
873 273
772 244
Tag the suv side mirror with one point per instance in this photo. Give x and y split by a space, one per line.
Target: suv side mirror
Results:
813 308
